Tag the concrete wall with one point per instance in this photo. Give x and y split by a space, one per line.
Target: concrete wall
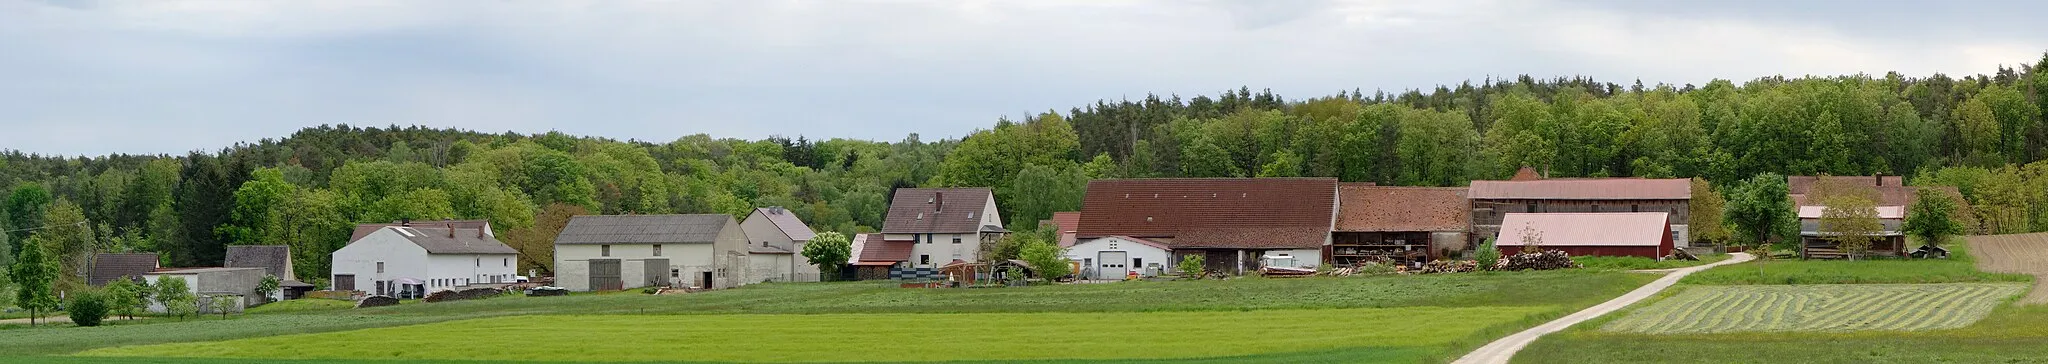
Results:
760 230
453 271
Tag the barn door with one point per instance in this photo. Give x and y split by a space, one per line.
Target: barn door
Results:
657 272
604 275
344 282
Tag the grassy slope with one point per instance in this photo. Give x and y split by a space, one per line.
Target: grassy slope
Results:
1565 290
2010 334
878 337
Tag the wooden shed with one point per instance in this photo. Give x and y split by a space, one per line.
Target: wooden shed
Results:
1634 234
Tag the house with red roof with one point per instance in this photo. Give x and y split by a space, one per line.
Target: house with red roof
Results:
1237 224
928 228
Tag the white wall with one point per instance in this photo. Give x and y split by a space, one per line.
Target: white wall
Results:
1303 258
1090 252
759 230
448 271
572 263
401 258
1678 237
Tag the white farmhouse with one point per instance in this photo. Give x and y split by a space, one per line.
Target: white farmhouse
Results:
613 252
775 250
410 261
939 226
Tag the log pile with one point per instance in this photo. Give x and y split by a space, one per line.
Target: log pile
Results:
1367 268
1444 266
377 301
1545 260
1681 254
1286 272
547 291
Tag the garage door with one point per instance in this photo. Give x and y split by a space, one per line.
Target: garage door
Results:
1112 265
604 275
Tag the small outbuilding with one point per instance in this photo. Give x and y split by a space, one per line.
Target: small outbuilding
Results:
1632 234
106 267
1116 257
209 282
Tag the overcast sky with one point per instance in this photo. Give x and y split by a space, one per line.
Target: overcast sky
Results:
97 77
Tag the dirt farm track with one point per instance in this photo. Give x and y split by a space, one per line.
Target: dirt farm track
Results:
2016 253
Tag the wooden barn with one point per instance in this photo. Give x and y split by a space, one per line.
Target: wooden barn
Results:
1627 234
1492 201
1398 224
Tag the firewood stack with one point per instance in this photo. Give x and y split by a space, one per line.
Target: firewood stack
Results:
1545 260
1445 266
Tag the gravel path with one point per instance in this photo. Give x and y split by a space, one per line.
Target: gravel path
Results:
1499 351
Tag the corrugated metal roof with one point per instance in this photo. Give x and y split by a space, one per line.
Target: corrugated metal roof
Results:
936 210
1883 212
365 229
1586 229
1898 196
1383 209
1212 212
1583 189
643 229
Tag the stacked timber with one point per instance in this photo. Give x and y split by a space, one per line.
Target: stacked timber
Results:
1445 266
1545 260
377 301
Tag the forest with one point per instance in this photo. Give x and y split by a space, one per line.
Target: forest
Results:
1984 133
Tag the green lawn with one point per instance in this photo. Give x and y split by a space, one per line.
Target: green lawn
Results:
1560 291
1635 263
1957 269
875 337
1841 307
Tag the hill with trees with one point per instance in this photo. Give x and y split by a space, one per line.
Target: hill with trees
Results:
1985 134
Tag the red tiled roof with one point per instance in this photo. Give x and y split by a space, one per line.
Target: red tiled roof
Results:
1067 221
871 249
1587 229
936 210
1212 212
1583 189
1378 209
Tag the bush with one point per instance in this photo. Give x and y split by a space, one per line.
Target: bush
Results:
1191 266
1487 255
650 290
88 307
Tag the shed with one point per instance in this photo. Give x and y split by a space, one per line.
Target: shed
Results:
1398 224
107 267
213 281
1637 234
276 260
1891 240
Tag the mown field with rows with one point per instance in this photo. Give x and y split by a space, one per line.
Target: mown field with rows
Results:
1832 308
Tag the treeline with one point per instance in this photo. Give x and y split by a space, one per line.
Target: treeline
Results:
307 189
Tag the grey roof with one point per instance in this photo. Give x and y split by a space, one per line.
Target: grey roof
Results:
786 221
757 249
365 229
274 259
440 240
108 266
936 210
202 270
643 229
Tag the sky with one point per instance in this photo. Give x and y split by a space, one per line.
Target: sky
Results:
95 77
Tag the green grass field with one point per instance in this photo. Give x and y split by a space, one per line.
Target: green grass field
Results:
874 337
1960 268
1635 263
1854 307
1557 292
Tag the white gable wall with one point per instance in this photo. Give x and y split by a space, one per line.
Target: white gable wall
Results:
401 258
1089 253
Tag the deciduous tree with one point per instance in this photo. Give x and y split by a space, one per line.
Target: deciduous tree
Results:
829 251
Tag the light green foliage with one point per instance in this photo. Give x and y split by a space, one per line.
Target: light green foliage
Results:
1487 254
69 239
1046 256
992 157
125 297
1760 210
829 251
1851 222
1705 211
222 304
1282 164
35 277
1190 266
1633 263
176 296
268 286
1436 148
1038 191
314 224
1201 157
256 203
1931 219
88 306
1843 307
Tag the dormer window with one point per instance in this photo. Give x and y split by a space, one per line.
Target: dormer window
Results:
970 216
930 200
920 216
1148 219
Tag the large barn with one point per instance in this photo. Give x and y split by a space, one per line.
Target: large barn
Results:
1631 234
1237 224
1493 200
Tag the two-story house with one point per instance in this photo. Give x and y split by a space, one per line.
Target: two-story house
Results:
939 226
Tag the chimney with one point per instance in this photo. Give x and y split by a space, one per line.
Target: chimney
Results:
940 197
405 222
1880 179
479 233
451 231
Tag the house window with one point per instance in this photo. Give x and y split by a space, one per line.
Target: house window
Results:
604 250
508 261
657 250
956 238
924 259
380 267
1138 262
479 261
